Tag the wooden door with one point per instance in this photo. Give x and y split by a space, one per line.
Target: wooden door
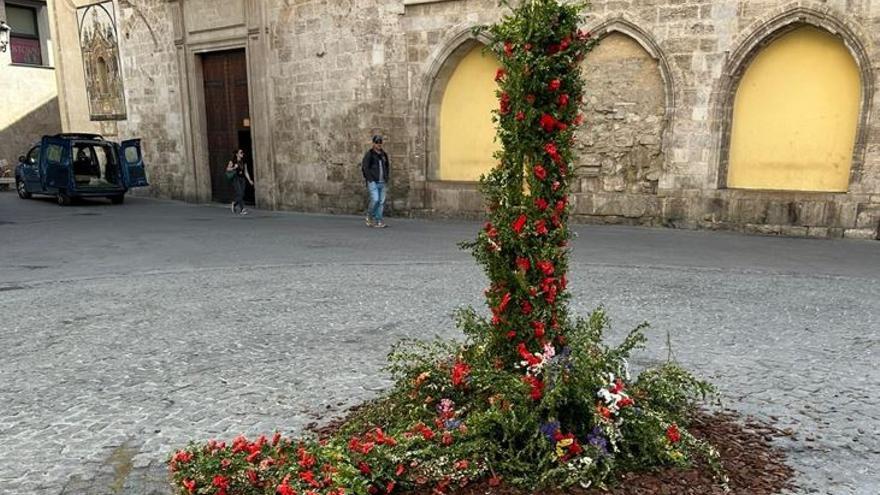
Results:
226 109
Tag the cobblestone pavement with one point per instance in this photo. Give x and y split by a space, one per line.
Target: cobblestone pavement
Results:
127 331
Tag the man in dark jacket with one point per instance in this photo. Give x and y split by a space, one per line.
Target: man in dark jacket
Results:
375 167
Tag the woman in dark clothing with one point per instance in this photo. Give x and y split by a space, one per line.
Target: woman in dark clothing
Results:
239 167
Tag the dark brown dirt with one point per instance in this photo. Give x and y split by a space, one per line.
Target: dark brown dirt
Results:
753 465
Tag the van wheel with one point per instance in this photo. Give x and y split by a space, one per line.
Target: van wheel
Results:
117 200
22 190
63 199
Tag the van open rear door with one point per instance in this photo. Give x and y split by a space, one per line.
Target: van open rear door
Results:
133 172
55 164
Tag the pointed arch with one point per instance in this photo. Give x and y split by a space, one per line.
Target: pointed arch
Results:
648 42
634 113
458 45
752 44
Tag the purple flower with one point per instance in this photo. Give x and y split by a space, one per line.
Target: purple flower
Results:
550 429
451 424
596 439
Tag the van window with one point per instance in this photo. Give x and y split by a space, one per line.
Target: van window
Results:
54 152
132 155
33 155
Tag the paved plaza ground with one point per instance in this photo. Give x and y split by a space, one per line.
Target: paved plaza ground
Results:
127 331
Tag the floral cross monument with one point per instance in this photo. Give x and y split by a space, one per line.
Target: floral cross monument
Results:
532 398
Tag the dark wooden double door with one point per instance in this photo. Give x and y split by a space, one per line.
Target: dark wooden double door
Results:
228 117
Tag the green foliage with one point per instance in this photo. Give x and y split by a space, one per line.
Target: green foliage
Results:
531 398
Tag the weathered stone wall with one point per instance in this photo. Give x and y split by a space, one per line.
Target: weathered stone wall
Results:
29 103
325 75
152 86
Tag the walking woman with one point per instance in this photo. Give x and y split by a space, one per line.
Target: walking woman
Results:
238 168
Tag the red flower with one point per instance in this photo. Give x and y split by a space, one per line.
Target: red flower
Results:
390 486
399 470
519 224
541 204
284 488
545 266
617 387
252 477
548 123
309 477
539 329
508 48
561 126
190 485
579 119
491 231
505 301
276 438
673 434
554 85
541 227
523 264
239 444
182 457
221 482
537 387
556 185
459 372
550 149
527 356
520 116
495 480
560 206
625 402
526 308
563 100
446 439
364 468
511 335
504 106
500 75
427 433
252 457
540 172
565 43
461 465
530 99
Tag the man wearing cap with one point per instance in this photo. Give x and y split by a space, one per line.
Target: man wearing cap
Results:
375 168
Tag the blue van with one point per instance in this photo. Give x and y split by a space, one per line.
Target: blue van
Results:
70 166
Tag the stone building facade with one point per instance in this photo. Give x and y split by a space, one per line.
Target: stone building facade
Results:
319 77
28 90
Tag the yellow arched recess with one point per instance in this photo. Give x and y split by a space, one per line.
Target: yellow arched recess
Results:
467 133
796 115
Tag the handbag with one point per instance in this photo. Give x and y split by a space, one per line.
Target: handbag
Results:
230 174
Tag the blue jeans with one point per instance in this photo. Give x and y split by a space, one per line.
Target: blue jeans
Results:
377 200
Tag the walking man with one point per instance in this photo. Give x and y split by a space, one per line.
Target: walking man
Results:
375 167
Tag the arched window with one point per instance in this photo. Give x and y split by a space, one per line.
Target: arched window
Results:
466 132
796 115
